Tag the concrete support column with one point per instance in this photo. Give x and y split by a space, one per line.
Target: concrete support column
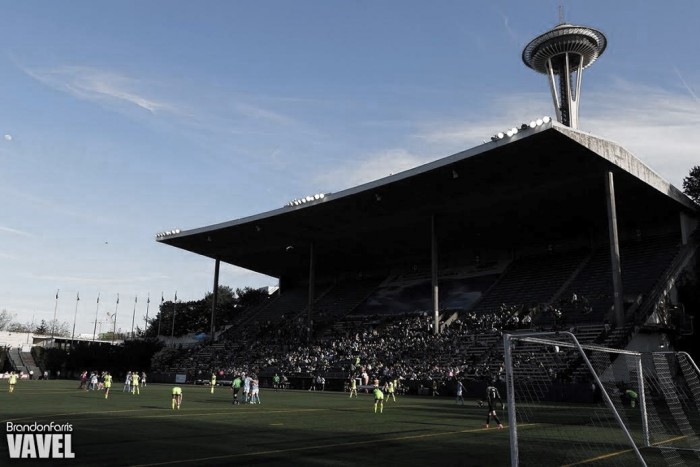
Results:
312 287
614 250
434 275
688 226
214 298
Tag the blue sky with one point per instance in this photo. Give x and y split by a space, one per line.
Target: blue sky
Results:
119 120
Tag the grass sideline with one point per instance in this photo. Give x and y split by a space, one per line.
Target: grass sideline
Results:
289 428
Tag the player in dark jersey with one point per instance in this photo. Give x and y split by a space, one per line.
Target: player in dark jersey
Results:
492 395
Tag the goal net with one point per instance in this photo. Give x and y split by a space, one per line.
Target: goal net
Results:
571 404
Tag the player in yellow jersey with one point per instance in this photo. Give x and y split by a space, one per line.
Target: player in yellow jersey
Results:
378 400
212 383
177 398
12 381
353 386
107 383
135 382
390 391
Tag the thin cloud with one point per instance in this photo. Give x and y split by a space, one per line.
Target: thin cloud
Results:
373 167
259 113
685 85
510 31
12 231
67 279
99 86
659 129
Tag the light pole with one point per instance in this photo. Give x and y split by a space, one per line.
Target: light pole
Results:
94 331
172 331
55 309
160 315
114 329
75 317
148 305
133 316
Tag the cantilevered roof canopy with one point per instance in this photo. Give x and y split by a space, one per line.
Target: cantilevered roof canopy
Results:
542 184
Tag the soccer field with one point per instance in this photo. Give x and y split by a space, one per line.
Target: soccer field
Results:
288 428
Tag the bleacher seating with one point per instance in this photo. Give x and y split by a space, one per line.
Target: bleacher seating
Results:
531 280
642 262
389 326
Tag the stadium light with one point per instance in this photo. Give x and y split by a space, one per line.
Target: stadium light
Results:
523 126
306 199
168 233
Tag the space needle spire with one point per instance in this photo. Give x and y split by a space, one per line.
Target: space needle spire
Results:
562 53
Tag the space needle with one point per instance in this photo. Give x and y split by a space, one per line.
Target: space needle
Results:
562 53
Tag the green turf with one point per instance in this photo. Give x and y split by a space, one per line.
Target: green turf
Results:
288 428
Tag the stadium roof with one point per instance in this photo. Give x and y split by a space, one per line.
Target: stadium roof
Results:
542 184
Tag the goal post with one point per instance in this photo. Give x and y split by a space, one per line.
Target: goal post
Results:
576 404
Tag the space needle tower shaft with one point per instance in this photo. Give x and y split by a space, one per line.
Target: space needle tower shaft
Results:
562 53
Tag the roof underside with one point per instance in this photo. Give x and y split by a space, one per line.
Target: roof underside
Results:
542 185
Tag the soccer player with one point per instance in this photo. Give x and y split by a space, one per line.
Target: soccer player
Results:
236 387
378 400
83 380
255 391
633 396
108 384
127 383
435 388
390 391
246 389
177 398
93 381
12 381
353 386
460 392
276 382
492 395
212 383
135 383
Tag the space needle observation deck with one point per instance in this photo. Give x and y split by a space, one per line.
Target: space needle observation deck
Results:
562 53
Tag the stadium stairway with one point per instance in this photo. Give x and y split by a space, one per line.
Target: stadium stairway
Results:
22 361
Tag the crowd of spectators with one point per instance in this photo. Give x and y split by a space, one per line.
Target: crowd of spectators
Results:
403 347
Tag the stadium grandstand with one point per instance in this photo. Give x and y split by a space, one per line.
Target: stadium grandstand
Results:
420 272
416 276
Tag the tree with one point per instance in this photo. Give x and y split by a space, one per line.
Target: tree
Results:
59 328
250 297
5 319
691 184
43 328
19 327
